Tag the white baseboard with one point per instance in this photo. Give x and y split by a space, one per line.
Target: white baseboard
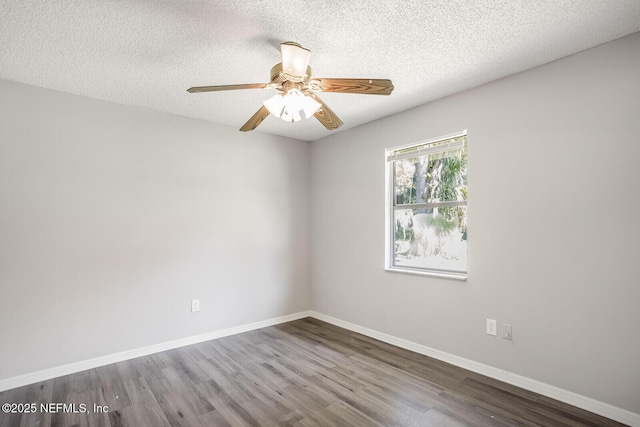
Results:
83 365
583 402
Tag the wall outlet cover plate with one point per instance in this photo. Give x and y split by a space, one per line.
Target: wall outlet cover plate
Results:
492 327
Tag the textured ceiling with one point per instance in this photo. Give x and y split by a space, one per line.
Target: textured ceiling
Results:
148 52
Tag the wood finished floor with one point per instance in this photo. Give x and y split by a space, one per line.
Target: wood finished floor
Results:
301 373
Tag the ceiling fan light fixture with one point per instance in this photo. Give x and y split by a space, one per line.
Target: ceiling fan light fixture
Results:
289 105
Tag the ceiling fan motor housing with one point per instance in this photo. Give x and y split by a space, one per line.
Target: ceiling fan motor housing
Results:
279 76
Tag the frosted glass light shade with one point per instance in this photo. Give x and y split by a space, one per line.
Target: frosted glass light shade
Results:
295 59
310 106
275 105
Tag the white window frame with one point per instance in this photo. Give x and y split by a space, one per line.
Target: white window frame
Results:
390 207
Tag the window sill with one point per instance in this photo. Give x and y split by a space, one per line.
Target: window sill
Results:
442 275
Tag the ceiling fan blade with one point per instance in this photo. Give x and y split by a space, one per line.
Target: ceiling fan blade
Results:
364 86
255 120
198 89
326 116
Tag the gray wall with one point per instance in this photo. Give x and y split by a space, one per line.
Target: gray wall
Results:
553 230
113 218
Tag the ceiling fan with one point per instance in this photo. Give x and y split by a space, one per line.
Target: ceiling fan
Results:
298 90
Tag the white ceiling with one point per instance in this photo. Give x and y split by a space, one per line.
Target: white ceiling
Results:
148 52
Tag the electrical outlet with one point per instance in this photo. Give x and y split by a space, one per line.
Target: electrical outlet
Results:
195 305
507 335
492 327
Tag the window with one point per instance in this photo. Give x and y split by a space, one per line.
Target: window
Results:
426 217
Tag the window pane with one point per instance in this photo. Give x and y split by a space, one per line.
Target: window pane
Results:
405 180
431 238
431 178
